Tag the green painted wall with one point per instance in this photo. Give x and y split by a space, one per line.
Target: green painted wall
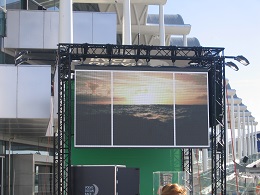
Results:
148 160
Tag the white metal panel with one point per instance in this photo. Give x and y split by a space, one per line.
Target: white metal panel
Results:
12 29
40 29
104 28
31 29
83 27
8 81
34 91
51 30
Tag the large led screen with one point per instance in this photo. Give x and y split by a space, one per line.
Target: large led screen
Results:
140 107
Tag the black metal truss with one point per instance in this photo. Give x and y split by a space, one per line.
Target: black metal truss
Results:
62 138
209 58
218 127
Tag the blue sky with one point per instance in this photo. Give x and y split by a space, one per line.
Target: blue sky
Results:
233 25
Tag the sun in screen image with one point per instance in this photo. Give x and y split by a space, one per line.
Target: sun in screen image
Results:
143 107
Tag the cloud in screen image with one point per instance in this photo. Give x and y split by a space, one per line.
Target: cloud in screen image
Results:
191 109
93 108
143 108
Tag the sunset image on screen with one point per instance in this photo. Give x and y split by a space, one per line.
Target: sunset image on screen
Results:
141 108
143 100
191 88
93 107
142 88
93 87
191 108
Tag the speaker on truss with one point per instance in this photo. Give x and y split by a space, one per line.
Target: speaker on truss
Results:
245 159
219 147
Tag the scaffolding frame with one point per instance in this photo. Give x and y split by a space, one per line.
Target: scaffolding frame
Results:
208 58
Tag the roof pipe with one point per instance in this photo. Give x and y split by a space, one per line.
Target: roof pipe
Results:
66 22
126 27
161 25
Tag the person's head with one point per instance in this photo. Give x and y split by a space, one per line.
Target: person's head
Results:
173 189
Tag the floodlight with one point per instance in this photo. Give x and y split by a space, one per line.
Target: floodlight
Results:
232 65
20 54
20 61
242 60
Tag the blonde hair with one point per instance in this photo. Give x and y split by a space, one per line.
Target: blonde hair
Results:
173 189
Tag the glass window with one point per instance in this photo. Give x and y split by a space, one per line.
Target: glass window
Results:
43 180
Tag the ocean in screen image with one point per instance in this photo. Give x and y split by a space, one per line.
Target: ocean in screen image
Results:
191 123
143 125
93 124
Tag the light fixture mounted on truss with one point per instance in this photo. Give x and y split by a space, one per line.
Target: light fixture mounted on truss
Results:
241 59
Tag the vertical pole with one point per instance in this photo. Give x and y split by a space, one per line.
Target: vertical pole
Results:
227 134
161 25
239 137
256 147
244 135
185 41
127 37
205 159
66 22
233 128
248 137
252 138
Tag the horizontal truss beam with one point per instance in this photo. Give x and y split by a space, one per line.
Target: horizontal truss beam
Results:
201 55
